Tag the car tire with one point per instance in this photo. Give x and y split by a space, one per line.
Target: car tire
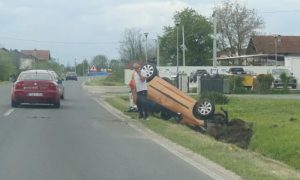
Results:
57 104
204 109
14 103
150 70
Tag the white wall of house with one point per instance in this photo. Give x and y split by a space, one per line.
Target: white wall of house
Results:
26 63
293 64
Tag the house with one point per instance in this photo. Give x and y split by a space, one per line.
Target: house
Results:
286 46
28 57
40 55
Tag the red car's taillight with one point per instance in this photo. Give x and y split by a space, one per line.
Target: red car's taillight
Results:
19 85
52 86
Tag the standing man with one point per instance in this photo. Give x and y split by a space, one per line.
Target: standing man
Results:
141 90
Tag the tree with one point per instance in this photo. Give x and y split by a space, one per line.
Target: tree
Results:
82 68
100 61
7 68
197 39
131 47
115 64
235 25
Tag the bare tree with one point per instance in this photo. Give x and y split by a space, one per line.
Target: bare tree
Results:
236 24
131 47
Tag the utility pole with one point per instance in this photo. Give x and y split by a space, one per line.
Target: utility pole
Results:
177 50
215 41
183 46
157 55
277 38
146 35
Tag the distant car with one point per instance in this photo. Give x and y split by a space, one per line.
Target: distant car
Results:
236 70
199 72
35 86
60 84
292 81
71 76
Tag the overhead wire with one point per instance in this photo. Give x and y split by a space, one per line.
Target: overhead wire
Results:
60 42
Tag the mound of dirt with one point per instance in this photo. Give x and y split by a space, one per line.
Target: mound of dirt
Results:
237 132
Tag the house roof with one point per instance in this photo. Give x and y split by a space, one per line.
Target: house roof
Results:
285 44
39 54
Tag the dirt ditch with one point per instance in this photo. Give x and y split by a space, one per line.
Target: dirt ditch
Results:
237 132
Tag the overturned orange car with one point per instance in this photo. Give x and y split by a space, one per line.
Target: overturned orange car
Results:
169 101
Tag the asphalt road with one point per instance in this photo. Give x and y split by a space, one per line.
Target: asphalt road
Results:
81 141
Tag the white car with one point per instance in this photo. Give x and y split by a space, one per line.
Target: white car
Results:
292 82
60 84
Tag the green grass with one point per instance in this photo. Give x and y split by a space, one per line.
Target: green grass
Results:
275 136
4 82
105 81
276 126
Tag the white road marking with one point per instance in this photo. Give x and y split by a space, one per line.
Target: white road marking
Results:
9 112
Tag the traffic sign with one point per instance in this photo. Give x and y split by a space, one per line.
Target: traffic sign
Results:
93 68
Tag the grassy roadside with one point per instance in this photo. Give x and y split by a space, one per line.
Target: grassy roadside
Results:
248 164
4 82
111 80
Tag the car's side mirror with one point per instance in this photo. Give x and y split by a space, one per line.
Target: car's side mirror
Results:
59 81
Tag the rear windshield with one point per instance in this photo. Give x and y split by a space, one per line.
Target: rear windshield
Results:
35 76
71 74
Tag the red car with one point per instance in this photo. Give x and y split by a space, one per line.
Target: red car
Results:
35 86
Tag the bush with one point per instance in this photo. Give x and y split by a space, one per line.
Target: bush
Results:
216 97
264 82
236 85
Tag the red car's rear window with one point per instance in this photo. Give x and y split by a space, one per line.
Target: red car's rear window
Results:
35 76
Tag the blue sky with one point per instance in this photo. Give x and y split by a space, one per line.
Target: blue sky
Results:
84 28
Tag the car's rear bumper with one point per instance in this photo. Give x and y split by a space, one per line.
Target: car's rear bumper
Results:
71 78
46 97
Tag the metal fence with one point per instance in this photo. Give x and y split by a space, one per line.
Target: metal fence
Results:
212 84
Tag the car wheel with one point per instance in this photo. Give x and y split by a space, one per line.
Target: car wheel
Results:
57 104
294 86
14 103
150 71
204 109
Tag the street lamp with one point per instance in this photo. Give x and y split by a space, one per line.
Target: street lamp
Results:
146 35
177 48
277 39
183 47
157 53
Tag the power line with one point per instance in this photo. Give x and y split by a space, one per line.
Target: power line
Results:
59 42
282 11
